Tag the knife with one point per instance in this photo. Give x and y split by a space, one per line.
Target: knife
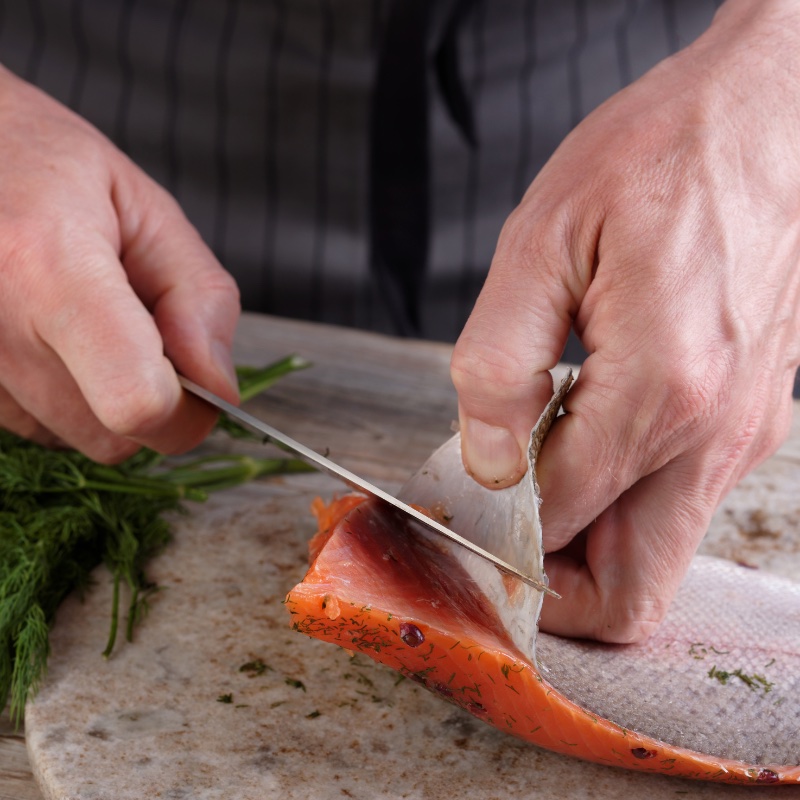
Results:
354 481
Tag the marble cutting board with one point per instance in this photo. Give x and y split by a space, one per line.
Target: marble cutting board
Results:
304 719
312 722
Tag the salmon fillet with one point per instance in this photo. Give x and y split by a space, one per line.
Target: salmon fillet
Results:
714 694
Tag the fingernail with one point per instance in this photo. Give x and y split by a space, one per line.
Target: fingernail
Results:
223 360
491 453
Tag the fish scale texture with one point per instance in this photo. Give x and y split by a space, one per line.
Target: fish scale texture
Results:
721 676
390 593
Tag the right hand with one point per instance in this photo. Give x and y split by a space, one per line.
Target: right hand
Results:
666 229
107 290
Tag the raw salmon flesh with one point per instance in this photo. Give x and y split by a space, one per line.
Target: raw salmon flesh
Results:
714 694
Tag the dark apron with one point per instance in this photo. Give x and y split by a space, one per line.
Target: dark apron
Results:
349 161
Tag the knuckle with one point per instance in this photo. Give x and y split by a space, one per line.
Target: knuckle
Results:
23 246
219 286
132 409
632 624
777 432
536 239
109 449
17 420
499 386
696 391
26 426
761 435
705 404
481 363
681 406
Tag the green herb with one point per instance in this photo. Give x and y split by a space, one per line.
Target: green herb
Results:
254 668
313 715
719 674
225 698
62 514
754 682
253 381
296 683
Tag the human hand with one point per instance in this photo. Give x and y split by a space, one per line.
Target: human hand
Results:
105 286
666 229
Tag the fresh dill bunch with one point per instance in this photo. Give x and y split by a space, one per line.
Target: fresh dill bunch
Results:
62 514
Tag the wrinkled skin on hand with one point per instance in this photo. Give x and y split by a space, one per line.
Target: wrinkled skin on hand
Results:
105 286
666 229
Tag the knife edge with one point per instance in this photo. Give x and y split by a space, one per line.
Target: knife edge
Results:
354 481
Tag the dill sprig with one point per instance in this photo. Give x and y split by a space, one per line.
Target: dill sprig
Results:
253 381
62 514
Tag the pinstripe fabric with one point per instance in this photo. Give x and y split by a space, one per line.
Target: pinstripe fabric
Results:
255 114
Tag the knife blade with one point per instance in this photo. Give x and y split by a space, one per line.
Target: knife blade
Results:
353 481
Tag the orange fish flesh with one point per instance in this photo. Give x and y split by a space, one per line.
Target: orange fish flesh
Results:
714 694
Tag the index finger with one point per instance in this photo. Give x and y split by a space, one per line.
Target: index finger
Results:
193 299
111 347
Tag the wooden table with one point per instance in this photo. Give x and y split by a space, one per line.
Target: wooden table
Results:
379 406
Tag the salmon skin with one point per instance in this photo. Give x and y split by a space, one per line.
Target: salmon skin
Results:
714 694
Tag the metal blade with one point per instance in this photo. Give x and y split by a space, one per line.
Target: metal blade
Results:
353 480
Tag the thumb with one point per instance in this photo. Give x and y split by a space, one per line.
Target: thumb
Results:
500 363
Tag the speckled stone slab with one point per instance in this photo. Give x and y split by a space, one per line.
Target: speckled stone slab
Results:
304 720
218 698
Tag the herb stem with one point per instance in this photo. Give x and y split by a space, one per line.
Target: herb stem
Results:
133 614
253 381
239 470
112 633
